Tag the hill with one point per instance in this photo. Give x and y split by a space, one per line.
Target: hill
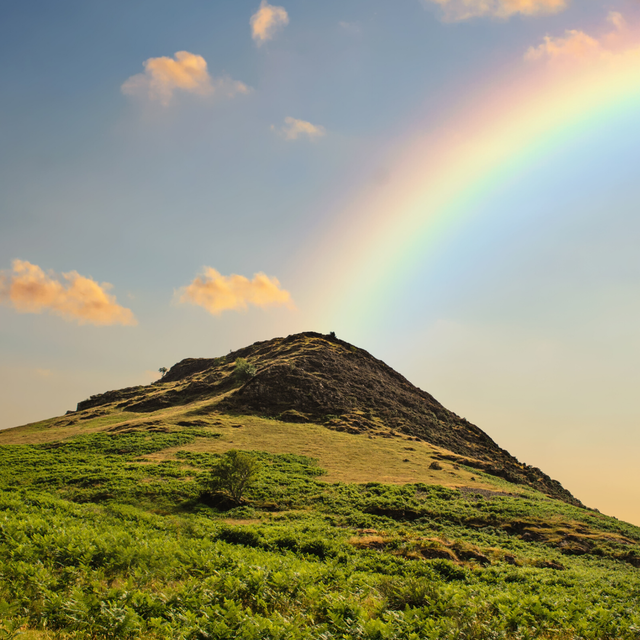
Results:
314 378
377 514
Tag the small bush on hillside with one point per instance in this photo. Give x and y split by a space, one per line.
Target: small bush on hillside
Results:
246 536
244 370
233 474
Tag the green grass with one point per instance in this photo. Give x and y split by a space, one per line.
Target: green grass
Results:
110 534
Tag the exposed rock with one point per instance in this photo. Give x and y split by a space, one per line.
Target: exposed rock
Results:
109 397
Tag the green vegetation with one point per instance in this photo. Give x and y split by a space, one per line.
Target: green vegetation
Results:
244 370
113 534
233 473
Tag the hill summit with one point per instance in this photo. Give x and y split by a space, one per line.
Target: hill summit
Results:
314 378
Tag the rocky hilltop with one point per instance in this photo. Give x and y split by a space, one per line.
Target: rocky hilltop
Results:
315 378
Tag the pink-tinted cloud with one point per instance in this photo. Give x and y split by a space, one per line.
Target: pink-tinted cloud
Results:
577 45
217 293
574 44
455 10
187 72
617 20
28 289
267 21
293 129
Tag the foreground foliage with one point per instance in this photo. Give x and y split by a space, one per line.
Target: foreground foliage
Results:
98 540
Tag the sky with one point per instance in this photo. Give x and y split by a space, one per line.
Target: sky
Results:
451 185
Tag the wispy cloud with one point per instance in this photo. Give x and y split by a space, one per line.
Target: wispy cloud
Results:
455 10
217 293
267 21
28 289
187 72
577 45
617 20
293 129
350 27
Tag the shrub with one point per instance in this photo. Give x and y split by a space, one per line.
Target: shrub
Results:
244 370
246 536
233 474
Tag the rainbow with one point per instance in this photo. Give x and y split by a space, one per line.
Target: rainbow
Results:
443 177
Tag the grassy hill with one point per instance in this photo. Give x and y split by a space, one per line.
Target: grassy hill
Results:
362 524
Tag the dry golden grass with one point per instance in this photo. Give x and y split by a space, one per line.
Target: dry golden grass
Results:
346 457
64 427
369 541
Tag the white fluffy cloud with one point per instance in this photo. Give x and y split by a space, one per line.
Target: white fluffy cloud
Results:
455 10
267 21
185 72
217 293
293 129
28 289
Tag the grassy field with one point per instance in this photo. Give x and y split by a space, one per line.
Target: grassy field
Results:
346 457
107 531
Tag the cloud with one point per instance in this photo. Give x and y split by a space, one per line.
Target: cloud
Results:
188 72
266 22
350 27
617 20
577 45
455 10
218 293
293 129
28 289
